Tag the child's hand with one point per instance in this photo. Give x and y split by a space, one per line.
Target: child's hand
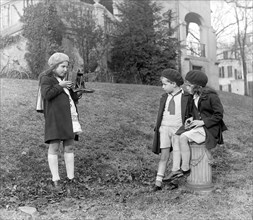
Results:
187 124
197 123
66 84
79 94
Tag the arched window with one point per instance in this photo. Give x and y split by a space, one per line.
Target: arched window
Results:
193 35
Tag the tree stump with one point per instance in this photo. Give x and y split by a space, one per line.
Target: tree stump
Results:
200 179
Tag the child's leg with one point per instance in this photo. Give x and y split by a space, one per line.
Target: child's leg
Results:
175 171
53 159
176 153
185 152
69 157
196 135
165 155
165 145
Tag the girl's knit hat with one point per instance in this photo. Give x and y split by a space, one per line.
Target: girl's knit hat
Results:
173 76
57 58
196 77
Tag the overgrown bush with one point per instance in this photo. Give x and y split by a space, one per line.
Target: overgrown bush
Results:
44 30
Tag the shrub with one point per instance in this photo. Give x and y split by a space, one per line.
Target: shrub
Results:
44 30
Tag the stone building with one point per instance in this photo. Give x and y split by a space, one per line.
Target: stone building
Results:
197 37
231 77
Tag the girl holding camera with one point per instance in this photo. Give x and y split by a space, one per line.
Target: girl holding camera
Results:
61 117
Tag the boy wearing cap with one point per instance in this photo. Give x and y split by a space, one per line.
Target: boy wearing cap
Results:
61 117
207 124
173 112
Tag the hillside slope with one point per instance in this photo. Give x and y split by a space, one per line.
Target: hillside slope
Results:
114 163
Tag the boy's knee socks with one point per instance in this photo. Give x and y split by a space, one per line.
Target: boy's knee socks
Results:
176 160
159 179
69 162
53 166
186 160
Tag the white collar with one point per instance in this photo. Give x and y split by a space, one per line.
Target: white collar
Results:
195 96
172 94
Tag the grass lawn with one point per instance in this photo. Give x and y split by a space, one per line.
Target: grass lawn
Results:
114 164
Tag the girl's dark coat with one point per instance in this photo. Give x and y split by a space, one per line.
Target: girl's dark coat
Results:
186 101
58 123
210 110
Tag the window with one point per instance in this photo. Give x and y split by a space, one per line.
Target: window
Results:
5 16
225 55
239 75
193 37
230 73
221 72
26 3
236 55
197 67
229 87
250 87
235 73
251 39
249 66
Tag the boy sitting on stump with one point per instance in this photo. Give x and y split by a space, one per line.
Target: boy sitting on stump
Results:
207 124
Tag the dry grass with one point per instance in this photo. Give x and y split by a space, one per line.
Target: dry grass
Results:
113 161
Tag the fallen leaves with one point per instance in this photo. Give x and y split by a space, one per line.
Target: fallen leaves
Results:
112 162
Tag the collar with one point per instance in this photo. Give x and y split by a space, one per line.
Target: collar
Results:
177 93
195 96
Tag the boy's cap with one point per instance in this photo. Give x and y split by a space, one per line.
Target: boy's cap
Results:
173 76
197 77
57 58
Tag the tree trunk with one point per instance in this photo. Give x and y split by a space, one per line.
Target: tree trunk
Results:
244 67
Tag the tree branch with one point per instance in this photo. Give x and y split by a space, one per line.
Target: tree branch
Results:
224 28
238 5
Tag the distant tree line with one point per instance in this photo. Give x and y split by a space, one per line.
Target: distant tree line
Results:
141 42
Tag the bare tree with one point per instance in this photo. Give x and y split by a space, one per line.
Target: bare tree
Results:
222 26
241 4
243 11
240 14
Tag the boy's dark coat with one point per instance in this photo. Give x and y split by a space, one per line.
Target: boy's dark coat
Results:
58 123
186 100
211 112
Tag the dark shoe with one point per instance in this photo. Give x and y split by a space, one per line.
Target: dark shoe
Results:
57 186
186 173
72 181
156 188
71 186
173 175
172 186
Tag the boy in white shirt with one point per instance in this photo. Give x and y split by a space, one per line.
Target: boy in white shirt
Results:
173 112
